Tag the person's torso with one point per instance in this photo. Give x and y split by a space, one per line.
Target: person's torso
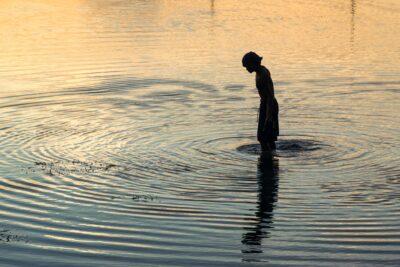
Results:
265 85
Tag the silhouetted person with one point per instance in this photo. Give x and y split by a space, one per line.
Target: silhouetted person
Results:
267 176
268 124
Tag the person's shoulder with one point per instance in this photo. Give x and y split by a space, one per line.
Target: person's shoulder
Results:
267 72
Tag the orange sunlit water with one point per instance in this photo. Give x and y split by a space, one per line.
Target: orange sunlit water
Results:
47 41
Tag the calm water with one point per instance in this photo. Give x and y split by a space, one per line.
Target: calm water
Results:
127 133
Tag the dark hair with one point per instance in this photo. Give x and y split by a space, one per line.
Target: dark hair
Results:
251 58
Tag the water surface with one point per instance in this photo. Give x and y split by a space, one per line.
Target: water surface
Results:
127 134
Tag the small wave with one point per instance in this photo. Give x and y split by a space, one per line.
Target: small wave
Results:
290 146
297 145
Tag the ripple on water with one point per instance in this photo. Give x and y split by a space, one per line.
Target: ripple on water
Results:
132 170
285 147
101 169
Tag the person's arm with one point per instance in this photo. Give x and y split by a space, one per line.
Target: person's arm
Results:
268 87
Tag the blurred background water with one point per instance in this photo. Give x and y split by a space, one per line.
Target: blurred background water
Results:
127 132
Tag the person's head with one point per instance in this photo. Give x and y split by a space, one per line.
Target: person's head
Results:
251 61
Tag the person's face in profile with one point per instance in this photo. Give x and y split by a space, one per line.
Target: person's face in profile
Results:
249 68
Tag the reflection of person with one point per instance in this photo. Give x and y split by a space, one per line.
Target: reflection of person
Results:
268 125
267 175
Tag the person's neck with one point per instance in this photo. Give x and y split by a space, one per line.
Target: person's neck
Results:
258 69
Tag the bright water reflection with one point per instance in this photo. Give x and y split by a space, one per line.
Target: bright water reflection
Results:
127 132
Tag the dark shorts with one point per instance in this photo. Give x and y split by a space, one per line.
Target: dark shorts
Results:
271 130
